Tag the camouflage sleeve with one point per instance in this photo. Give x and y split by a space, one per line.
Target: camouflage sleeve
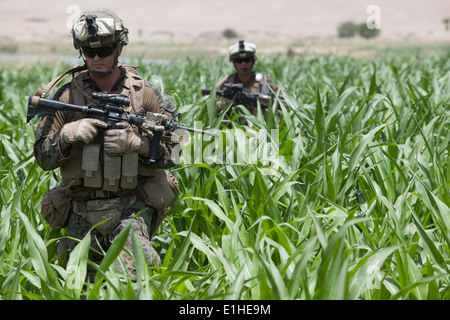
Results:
46 146
154 101
222 102
221 84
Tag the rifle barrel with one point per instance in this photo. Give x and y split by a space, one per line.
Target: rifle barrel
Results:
209 133
206 91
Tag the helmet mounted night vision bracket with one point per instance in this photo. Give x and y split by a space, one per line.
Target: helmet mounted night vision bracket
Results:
92 29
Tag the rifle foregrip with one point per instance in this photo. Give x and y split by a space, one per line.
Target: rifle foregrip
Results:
155 147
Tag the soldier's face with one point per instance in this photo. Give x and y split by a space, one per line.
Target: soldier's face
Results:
100 61
244 65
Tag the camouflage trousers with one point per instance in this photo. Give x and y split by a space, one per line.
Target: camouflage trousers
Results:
80 222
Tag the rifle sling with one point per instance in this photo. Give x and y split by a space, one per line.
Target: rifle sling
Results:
42 92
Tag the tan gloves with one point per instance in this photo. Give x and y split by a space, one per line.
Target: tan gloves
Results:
125 140
121 140
81 130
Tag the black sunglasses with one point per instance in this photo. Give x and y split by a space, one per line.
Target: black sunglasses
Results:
101 52
240 60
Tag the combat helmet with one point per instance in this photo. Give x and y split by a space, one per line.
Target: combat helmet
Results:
99 28
242 49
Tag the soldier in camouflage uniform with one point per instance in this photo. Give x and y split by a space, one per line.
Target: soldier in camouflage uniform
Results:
243 56
106 174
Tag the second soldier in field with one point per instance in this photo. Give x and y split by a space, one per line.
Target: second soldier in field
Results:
243 56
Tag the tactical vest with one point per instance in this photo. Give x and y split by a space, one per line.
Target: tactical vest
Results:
89 166
260 83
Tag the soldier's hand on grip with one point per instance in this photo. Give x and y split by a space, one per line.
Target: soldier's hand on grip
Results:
125 140
83 130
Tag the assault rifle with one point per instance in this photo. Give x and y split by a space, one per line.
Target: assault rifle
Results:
234 92
111 111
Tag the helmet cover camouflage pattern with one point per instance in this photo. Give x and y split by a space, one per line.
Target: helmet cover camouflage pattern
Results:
242 49
98 28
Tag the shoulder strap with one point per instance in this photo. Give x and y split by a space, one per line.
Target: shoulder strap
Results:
137 85
131 68
42 92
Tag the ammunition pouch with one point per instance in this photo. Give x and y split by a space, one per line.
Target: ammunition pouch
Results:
119 171
56 206
159 191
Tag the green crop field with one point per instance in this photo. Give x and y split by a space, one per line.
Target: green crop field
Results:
352 201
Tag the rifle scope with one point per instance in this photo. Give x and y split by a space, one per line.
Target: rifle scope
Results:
111 98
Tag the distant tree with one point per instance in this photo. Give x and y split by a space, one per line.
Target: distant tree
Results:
446 22
229 33
347 29
367 33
